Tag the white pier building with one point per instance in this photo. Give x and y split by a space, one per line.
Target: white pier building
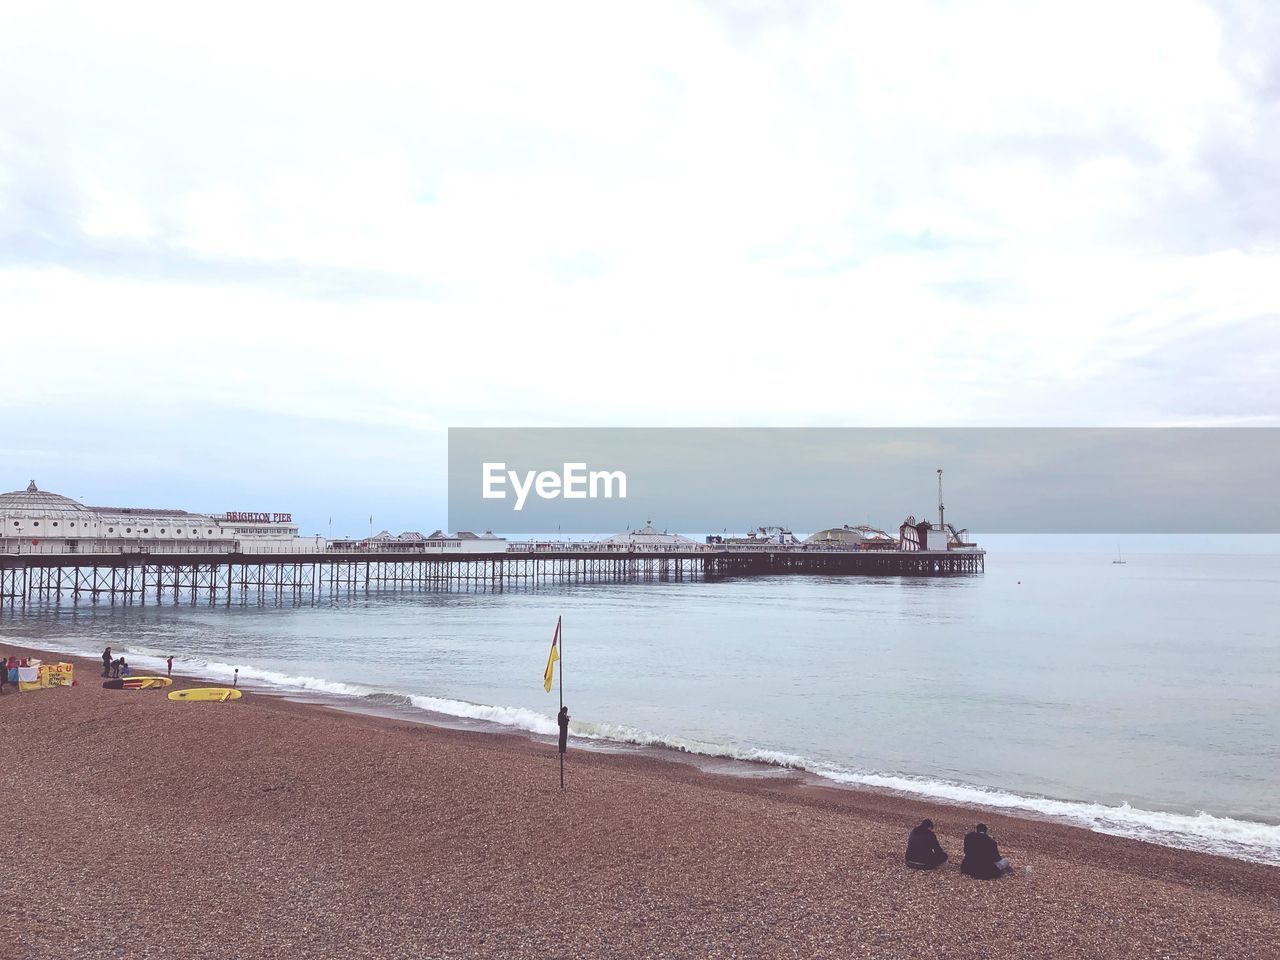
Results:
38 521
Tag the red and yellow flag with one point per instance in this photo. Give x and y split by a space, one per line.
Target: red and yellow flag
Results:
552 658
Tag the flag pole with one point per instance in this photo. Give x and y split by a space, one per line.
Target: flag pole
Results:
560 630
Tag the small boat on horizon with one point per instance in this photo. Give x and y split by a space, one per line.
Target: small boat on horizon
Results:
1118 559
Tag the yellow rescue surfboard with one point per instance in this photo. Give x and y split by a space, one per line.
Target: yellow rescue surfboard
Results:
145 683
220 694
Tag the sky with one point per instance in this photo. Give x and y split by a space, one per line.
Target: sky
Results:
262 256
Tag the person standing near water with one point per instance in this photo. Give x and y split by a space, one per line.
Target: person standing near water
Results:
235 681
106 662
168 666
562 718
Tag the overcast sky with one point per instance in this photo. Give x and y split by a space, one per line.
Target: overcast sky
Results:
262 257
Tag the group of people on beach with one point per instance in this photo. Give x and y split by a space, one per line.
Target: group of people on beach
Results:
116 668
113 667
982 859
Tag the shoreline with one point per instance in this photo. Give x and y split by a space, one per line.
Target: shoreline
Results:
734 766
326 831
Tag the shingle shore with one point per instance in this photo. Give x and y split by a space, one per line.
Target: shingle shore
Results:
140 827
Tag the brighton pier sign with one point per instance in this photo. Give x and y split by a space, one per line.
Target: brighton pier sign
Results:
237 516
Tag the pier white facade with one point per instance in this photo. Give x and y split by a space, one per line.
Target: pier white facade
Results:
41 522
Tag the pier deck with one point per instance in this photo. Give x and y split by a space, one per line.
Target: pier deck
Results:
249 577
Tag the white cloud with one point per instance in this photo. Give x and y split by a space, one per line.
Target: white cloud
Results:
419 215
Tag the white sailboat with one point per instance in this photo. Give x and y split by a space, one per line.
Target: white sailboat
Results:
1118 559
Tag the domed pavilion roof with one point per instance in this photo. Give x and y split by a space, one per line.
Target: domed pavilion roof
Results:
38 502
648 536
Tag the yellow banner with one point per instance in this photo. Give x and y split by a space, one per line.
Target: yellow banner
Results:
49 675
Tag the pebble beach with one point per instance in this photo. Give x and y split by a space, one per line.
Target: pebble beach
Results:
142 827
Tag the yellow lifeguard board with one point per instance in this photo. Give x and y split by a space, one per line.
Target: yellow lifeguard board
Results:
145 683
220 694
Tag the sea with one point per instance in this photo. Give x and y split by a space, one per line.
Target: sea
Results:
1140 699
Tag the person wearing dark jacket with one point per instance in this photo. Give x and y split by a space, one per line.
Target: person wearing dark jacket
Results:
923 850
562 718
982 859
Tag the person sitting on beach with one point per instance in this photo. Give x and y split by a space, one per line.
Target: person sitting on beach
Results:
923 850
124 667
982 859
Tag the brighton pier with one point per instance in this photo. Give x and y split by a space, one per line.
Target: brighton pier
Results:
246 577
240 557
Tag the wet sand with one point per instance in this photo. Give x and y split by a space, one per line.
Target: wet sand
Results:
141 827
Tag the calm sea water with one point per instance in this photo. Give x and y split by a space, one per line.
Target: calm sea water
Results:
1141 699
